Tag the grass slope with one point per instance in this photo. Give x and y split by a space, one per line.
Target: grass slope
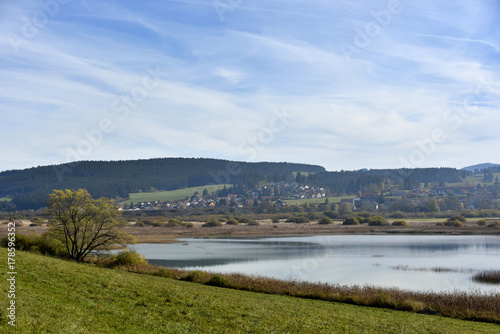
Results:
171 195
55 296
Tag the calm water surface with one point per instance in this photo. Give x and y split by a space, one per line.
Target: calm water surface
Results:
342 259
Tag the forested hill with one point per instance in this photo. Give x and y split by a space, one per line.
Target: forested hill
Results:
29 188
375 180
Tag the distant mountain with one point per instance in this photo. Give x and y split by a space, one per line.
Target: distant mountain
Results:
478 167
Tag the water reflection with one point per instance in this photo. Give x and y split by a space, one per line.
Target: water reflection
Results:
340 259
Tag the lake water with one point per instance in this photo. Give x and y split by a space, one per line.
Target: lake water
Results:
342 259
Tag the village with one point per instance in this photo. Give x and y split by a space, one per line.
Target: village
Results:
284 196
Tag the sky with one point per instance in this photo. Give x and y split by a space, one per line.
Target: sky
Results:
341 84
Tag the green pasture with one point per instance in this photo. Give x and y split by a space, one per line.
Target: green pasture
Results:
171 195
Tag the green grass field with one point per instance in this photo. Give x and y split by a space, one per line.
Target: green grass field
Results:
473 181
171 195
5 199
56 296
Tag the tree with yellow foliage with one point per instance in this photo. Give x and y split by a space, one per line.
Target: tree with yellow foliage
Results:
85 224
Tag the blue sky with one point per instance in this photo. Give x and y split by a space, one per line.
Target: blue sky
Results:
342 84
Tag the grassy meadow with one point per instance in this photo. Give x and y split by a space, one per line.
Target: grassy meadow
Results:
56 296
171 195
474 180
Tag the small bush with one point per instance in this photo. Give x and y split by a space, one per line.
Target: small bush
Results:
330 214
377 221
173 223
314 215
298 220
164 272
140 224
212 223
325 221
364 214
440 224
457 217
28 242
35 243
197 277
232 221
159 223
129 257
220 281
482 222
495 225
454 223
37 221
398 215
248 221
147 221
188 225
275 220
102 260
351 221
400 223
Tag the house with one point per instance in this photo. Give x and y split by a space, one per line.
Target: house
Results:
280 203
370 197
355 202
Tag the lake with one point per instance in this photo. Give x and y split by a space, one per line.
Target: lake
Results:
403 261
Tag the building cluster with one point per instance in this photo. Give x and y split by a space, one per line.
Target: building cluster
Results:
282 193
441 198
274 191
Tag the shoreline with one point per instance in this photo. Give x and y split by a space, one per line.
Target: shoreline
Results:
152 234
149 234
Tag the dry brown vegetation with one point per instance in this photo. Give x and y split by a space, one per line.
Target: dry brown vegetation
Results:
193 229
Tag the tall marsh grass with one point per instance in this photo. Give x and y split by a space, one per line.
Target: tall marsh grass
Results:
489 276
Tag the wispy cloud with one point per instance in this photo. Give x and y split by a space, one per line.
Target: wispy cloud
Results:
224 80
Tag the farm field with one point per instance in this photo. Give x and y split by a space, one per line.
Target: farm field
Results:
171 195
56 296
474 180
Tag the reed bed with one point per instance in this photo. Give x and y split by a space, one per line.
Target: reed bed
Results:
489 276
433 269
473 305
